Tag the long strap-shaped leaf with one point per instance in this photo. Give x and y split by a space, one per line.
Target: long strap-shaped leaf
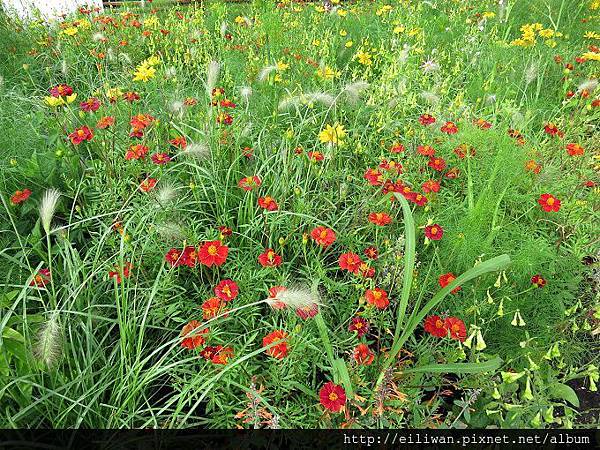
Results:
409 262
486 366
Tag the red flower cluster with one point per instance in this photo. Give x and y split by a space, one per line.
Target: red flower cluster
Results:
20 196
81 134
209 254
323 236
453 326
280 349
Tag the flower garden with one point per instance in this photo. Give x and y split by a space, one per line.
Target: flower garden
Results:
301 215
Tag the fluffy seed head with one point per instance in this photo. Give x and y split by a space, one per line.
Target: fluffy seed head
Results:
47 208
48 345
198 150
296 297
212 76
265 72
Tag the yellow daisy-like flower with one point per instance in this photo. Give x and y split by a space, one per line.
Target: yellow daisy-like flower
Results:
591 35
349 44
332 135
327 73
342 12
399 29
364 58
239 20
546 33
316 42
144 73
343 32
71 31
281 66
591 56
59 101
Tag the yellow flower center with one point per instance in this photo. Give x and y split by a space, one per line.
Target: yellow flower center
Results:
212 250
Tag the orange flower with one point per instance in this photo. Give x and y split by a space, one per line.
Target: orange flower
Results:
363 355
377 297
323 236
212 307
192 335
380 218
20 196
280 349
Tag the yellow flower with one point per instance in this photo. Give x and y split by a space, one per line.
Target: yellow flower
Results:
591 35
144 73
342 12
550 43
546 33
364 58
59 101
595 5
239 20
327 73
281 66
591 56
71 31
399 29
343 32
316 42
349 44
151 21
489 15
332 134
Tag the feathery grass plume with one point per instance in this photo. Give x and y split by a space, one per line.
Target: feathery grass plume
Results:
170 230
223 29
265 72
246 93
430 97
430 66
177 108
97 37
296 297
531 73
64 68
212 76
48 345
125 58
198 150
588 85
170 72
165 194
352 91
307 99
47 208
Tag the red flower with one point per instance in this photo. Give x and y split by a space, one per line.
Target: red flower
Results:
397 148
280 349
446 279
148 184
426 119
434 232
323 236
377 297
380 219
249 183
538 280
41 278
371 252
549 203
212 307
160 158
437 164
374 177
363 355
222 355
435 326
417 198
269 258
483 124
359 325
553 130
192 335
137 151
391 166
248 152
456 328
452 173
189 257
61 90
532 166
426 150
81 134
227 290
308 311
173 257
224 118
315 156
575 150
350 261
105 122
117 273
268 203
131 97
332 397
178 142
213 252
464 150
141 121
449 128
20 196
366 271
431 186
90 105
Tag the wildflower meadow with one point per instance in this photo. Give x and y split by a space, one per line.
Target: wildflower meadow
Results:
340 214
